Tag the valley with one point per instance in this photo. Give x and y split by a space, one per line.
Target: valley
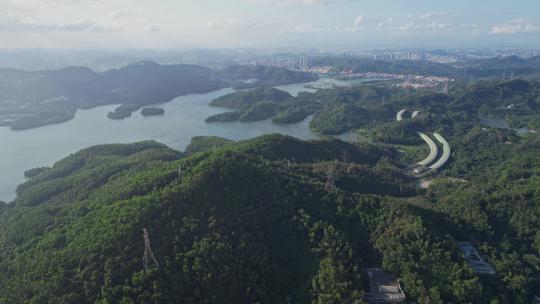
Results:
314 216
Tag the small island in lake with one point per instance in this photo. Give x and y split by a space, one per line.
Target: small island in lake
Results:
152 111
250 105
123 111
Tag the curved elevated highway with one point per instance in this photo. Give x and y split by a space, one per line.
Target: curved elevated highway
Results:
446 152
399 116
432 146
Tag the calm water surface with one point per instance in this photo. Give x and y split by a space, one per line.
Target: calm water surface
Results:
184 118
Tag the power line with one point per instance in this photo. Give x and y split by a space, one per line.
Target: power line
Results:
148 251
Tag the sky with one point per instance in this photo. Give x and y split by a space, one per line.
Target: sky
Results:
172 24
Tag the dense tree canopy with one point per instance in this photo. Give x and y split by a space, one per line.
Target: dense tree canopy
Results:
270 220
279 220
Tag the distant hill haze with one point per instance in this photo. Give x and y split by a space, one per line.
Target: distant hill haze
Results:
485 68
33 99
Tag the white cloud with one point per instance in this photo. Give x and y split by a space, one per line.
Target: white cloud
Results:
300 2
432 15
305 28
308 2
428 23
366 24
21 24
150 28
230 24
521 25
71 16
236 24
359 20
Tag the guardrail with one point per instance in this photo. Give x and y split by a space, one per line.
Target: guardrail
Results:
399 116
432 146
446 152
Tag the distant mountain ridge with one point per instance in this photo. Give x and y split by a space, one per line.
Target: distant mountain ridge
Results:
33 99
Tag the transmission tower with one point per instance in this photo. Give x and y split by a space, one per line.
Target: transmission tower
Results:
148 251
330 175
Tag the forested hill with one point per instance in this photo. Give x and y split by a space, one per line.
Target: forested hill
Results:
263 76
373 106
32 99
268 220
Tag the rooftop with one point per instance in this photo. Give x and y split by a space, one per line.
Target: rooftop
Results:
383 287
473 258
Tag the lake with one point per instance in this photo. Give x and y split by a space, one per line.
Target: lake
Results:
184 118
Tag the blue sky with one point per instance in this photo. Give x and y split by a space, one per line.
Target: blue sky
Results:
365 24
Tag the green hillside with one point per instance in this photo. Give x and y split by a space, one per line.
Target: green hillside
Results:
268 220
